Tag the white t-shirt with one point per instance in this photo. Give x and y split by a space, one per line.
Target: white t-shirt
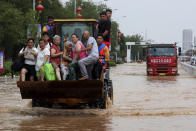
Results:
28 61
40 58
94 51
47 46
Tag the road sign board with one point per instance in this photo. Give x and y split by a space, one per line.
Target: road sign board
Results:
1 61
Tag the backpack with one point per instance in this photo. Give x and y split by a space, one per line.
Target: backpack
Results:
18 63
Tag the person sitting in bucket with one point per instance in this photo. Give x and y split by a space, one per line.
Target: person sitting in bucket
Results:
30 53
92 57
42 58
67 54
55 55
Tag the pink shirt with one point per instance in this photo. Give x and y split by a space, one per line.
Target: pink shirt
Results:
82 54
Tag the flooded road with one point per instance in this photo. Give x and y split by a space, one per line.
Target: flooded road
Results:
141 103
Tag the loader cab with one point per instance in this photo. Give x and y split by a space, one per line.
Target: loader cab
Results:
66 27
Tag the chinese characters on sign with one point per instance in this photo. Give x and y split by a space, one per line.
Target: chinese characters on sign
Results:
1 61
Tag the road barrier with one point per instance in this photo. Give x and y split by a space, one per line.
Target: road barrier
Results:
189 68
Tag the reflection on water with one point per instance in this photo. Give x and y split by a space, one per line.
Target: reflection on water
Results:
141 103
161 78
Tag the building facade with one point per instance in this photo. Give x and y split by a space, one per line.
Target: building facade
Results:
194 42
187 41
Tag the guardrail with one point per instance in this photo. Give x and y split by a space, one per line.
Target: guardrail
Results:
189 68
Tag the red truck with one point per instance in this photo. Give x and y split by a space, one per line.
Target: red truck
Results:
162 59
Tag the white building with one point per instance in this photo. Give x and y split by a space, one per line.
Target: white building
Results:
187 41
195 43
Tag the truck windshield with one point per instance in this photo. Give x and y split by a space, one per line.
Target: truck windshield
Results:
161 52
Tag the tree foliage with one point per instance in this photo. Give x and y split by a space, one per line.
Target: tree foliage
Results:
134 38
17 15
13 27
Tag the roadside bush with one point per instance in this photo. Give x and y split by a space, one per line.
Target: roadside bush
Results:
7 68
112 63
120 62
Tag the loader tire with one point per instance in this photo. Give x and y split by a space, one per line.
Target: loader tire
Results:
110 91
104 101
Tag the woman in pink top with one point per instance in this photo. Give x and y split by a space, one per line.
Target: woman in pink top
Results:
77 54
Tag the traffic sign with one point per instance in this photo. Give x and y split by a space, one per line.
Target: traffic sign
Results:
1 61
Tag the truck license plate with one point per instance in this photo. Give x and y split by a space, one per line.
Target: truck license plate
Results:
162 74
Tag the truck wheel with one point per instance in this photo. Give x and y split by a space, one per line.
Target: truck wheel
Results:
104 104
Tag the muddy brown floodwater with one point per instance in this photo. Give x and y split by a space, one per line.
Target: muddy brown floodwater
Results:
141 103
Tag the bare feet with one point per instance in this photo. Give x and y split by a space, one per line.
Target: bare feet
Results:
83 78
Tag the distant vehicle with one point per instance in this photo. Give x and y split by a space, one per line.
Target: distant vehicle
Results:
193 60
162 59
139 61
185 58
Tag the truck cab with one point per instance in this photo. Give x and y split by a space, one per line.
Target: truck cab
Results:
162 59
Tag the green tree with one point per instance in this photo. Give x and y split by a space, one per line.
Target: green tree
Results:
136 50
123 48
190 52
134 38
22 5
13 28
89 9
11 32
53 8
114 38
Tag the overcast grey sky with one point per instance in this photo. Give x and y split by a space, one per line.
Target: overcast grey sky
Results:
163 20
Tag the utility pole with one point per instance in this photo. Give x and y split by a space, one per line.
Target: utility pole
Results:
75 3
146 32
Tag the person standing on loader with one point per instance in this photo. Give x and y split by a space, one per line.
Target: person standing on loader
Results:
92 57
109 14
103 56
104 28
50 28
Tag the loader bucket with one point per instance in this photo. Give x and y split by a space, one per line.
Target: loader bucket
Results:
88 89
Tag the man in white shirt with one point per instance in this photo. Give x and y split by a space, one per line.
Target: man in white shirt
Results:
30 54
93 55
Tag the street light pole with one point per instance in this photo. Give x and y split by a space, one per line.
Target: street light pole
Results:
34 5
